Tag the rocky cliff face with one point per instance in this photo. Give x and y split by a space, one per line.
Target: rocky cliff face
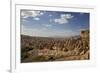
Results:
85 38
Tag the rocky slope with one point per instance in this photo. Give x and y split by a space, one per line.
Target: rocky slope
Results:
38 49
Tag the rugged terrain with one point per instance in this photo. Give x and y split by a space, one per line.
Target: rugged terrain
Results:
41 49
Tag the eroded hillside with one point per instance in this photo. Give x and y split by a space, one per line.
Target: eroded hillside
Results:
40 49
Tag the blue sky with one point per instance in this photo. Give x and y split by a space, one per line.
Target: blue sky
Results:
53 23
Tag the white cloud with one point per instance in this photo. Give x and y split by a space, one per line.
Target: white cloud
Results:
51 20
37 18
61 21
33 13
46 25
50 15
64 18
41 13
